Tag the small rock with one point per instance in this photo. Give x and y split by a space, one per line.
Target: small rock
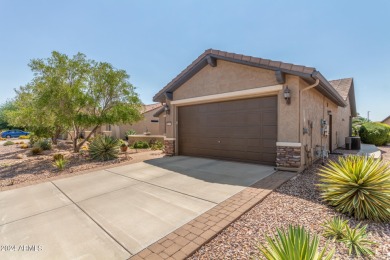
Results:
9 182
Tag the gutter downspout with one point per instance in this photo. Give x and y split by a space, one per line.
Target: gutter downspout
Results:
301 112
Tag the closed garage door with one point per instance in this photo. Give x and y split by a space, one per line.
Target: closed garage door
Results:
239 130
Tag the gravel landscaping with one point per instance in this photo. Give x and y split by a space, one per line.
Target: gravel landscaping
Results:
295 202
18 167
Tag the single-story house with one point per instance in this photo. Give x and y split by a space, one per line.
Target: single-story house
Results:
149 124
237 107
386 120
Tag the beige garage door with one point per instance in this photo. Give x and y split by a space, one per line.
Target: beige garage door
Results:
239 130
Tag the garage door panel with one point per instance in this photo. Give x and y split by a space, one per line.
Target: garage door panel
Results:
269 132
268 102
268 118
242 130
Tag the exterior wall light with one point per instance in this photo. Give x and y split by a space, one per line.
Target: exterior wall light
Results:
167 109
287 95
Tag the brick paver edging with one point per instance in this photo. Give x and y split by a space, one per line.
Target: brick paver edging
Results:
185 240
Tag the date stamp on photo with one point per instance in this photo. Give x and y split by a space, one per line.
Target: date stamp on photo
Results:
20 248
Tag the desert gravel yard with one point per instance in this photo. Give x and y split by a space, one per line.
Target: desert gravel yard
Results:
295 202
18 167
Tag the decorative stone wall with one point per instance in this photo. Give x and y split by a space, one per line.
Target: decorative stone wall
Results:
169 146
289 157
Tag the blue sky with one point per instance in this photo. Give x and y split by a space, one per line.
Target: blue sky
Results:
155 40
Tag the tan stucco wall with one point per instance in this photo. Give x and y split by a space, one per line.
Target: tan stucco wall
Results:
162 124
141 126
314 108
288 115
225 77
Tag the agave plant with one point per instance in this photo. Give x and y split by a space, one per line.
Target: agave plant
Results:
335 228
295 243
104 148
356 241
358 186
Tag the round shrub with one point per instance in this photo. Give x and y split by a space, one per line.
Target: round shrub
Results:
104 148
358 186
45 144
8 143
140 145
374 133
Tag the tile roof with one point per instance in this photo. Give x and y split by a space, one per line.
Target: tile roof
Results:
147 108
342 86
266 63
385 119
308 73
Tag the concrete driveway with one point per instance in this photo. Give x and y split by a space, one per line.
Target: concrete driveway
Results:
115 213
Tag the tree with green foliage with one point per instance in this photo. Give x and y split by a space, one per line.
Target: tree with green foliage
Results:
75 94
4 108
357 122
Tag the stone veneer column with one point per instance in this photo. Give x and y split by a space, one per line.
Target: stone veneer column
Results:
288 155
169 146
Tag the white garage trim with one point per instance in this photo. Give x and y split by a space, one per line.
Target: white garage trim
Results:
288 144
241 94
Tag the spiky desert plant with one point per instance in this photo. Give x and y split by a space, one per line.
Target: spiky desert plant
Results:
335 228
36 150
58 156
358 186
295 243
104 148
356 241
60 163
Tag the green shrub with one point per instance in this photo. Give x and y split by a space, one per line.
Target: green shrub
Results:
60 163
36 150
8 143
295 243
356 241
354 238
34 139
358 186
104 148
157 146
140 145
58 156
374 133
45 144
130 132
335 228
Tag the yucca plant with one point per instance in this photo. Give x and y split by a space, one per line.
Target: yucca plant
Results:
356 241
60 163
335 228
104 148
358 186
295 243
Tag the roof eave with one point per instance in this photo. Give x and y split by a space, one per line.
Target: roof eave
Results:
327 90
324 87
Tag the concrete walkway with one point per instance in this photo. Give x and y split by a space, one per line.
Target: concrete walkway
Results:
117 212
370 150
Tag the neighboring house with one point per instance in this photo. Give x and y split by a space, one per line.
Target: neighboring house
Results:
231 106
147 124
386 120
